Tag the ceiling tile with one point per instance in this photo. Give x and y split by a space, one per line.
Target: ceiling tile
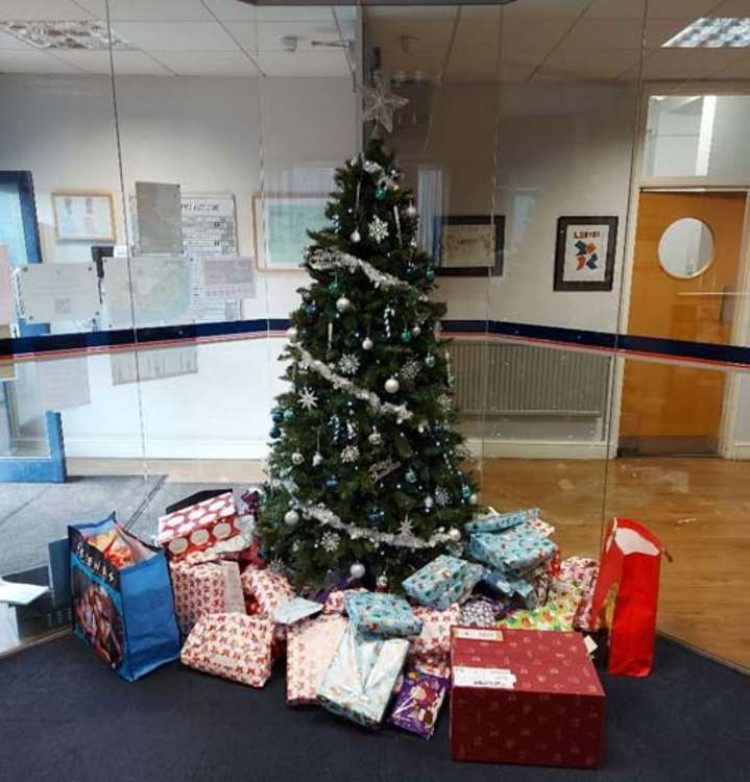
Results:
680 9
542 36
738 70
149 10
125 63
176 36
266 36
314 63
617 9
232 10
33 62
592 34
42 10
733 8
8 41
547 9
690 63
207 63
574 62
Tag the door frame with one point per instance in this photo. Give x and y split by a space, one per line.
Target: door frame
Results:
727 448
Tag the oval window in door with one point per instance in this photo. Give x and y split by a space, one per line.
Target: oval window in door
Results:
686 248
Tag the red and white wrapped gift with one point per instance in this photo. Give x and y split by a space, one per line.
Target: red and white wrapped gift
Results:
269 588
210 588
430 651
311 646
580 573
232 646
200 526
334 603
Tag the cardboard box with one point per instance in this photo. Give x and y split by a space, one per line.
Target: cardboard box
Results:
525 696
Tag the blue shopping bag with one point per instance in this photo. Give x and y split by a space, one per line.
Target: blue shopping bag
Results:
122 598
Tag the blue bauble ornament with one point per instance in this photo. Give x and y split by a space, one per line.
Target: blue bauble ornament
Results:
429 275
437 430
332 483
466 491
311 308
380 193
333 287
411 476
275 432
277 415
288 414
406 336
374 518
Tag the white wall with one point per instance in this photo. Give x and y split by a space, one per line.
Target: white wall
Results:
203 133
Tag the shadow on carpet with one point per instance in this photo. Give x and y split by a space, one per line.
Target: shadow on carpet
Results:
66 716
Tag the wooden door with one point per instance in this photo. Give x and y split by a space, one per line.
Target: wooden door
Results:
668 408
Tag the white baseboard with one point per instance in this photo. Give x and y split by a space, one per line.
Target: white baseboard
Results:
738 451
538 449
194 448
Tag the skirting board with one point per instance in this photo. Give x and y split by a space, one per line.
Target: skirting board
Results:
739 452
208 449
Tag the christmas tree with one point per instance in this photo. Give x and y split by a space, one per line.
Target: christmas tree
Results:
364 474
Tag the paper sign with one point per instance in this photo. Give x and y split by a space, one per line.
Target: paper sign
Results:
493 678
63 383
159 210
51 292
7 307
139 366
477 634
227 277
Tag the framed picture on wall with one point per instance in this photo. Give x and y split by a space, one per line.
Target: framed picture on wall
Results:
280 226
84 216
469 245
585 253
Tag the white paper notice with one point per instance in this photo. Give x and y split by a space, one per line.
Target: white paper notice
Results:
157 364
63 383
159 209
51 292
7 307
227 277
493 678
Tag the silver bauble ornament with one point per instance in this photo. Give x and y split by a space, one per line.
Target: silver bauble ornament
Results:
357 570
473 499
454 534
292 333
343 304
411 210
367 344
382 582
291 517
428 502
317 459
297 458
356 236
375 438
392 385
416 331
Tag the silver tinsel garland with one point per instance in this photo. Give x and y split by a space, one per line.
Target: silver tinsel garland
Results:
328 518
401 412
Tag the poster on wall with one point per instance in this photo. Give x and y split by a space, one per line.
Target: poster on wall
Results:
280 226
54 292
469 245
83 216
585 253
159 210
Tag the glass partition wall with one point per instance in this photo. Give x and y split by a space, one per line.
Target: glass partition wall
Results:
579 170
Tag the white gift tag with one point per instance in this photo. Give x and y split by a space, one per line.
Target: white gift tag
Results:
477 634
493 678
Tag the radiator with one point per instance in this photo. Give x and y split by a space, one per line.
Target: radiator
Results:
505 378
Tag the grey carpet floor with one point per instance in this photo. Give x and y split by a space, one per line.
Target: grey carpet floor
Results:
33 514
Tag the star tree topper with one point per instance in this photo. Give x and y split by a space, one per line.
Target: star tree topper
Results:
380 103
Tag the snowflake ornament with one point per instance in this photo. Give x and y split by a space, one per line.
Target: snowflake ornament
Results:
307 399
350 454
445 403
378 229
441 496
380 103
406 527
348 364
410 370
330 542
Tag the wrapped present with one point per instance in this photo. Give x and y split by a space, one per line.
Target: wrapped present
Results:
380 615
525 697
251 500
360 679
334 602
210 588
430 650
311 645
513 555
498 522
546 617
443 581
232 646
580 574
480 612
295 610
269 588
419 697
199 526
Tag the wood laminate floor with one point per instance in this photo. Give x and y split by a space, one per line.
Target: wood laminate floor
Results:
700 508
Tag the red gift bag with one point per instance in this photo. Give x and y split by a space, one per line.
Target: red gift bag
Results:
626 593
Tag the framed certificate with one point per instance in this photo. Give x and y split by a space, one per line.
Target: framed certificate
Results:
280 226
469 245
84 216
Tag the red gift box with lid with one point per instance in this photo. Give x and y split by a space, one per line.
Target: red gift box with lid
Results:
525 696
199 526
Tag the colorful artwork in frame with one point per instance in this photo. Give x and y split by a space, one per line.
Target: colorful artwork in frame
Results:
585 253
84 216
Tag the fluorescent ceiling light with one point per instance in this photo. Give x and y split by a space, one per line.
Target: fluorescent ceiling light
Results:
65 35
713 33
